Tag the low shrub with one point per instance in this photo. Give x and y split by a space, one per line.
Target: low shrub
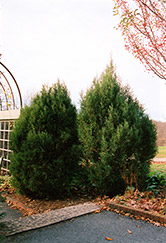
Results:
156 182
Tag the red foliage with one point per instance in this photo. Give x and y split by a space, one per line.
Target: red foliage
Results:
143 25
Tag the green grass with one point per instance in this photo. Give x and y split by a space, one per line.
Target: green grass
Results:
161 152
158 167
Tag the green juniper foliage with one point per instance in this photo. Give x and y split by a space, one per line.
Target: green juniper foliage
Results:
44 144
118 139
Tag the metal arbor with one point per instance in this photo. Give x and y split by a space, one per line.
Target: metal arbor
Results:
10 105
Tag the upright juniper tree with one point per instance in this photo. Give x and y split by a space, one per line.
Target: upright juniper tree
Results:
117 137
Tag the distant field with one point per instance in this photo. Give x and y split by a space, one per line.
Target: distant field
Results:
158 167
161 152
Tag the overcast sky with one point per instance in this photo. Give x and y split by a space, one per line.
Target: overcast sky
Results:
73 40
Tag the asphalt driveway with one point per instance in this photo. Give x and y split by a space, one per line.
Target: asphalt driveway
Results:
94 228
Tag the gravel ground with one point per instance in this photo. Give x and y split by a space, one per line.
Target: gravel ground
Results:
94 228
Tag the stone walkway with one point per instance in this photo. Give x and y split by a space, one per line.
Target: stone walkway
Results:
40 220
10 213
94 228
159 160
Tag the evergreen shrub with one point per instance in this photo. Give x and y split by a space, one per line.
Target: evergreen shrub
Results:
118 139
44 142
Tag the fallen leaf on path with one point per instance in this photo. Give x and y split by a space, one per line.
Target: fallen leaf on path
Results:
138 226
97 211
129 231
107 238
101 209
156 224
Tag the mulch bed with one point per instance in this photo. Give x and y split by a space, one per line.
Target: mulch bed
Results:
146 201
142 200
29 206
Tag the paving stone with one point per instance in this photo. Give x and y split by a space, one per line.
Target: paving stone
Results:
52 217
138 212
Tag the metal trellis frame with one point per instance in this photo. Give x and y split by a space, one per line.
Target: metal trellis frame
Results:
10 105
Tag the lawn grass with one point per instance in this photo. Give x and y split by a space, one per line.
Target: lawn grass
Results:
161 152
158 167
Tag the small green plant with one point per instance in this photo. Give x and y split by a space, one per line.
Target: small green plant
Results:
156 182
5 182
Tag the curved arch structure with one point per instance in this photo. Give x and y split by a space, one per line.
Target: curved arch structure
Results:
10 95
10 105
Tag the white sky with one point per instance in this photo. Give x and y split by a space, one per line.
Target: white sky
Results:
73 40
